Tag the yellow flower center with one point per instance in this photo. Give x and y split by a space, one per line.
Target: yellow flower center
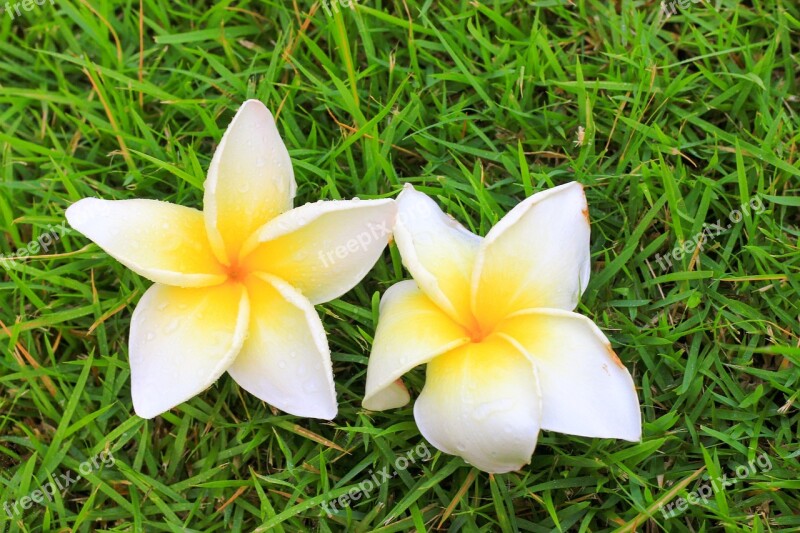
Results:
236 272
477 332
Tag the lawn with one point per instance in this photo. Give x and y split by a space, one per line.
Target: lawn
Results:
683 129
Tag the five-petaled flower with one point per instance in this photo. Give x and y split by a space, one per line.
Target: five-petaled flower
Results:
493 319
235 284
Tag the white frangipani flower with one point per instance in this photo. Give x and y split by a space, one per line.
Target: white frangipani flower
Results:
493 319
235 284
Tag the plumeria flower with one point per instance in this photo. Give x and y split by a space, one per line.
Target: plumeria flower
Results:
235 284
493 319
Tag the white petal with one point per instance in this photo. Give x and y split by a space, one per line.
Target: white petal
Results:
163 242
250 180
181 341
437 251
586 390
536 256
481 402
323 249
285 360
411 331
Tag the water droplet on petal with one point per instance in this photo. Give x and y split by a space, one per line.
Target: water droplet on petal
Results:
151 336
487 409
282 363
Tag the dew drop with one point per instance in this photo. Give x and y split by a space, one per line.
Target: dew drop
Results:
282 364
310 386
486 409
151 336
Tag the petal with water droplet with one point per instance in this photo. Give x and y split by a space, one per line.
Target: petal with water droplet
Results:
250 180
285 360
177 354
586 390
472 396
132 232
536 256
438 252
411 331
293 246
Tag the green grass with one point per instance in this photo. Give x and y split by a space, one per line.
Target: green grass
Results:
479 104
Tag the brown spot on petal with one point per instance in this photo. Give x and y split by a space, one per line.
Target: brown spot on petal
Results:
585 212
614 357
